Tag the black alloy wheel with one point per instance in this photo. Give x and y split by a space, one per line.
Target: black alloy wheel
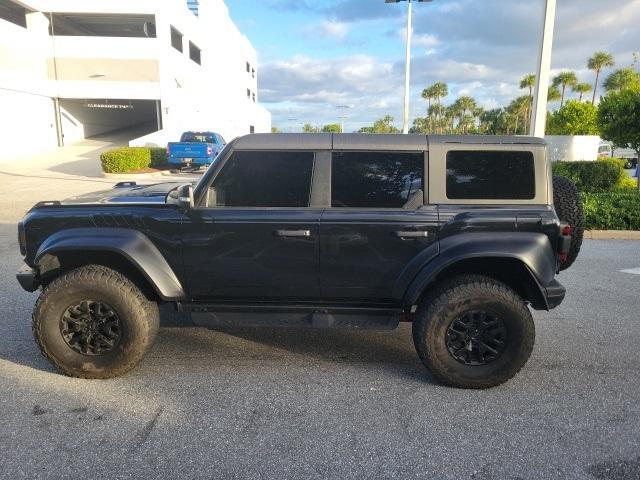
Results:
91 327
476 338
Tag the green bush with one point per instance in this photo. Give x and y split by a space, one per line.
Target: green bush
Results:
598 176
615 210
574 118
158 157
132 159
125 159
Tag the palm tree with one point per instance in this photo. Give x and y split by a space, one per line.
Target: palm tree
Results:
427 94
436 113
528 81
553 95
564 79
439 91
582 88
463 105
451 113
597 62
622 79
518 108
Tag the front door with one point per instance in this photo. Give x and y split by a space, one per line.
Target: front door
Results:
377 231
256 237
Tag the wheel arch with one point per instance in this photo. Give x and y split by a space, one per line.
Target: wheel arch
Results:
128 251
523 261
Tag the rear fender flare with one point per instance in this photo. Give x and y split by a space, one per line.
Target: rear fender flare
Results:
534 250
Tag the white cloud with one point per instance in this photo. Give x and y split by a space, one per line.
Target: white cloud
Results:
478 48
334 29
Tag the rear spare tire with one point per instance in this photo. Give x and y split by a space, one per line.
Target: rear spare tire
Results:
568 205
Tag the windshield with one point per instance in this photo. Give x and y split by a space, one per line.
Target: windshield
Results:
199 137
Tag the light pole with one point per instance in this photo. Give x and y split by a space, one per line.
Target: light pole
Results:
539 120
407 64
342 117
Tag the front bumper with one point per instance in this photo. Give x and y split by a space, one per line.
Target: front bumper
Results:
555 293
28 278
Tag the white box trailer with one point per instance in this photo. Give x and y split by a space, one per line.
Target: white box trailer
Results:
573 148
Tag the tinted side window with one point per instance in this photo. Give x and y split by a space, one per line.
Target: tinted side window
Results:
375 179
490 175
264 179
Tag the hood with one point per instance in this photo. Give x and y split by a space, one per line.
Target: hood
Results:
126 192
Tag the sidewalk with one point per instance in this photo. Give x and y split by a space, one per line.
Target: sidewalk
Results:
62 173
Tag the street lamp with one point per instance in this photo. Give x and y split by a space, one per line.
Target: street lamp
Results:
407 65
539 117
343 116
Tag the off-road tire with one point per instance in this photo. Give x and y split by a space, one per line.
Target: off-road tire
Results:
568 205
139 319
447 302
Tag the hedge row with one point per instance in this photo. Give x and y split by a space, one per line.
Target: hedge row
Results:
599 176
132 159
615 210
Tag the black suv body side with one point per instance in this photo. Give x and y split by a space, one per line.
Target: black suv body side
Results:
319 230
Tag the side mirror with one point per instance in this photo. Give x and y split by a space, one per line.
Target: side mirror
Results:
185 196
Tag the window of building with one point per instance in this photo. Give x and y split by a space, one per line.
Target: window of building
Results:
14 13
252 129
195 53
176 39
248 67
102 25
490 175
248 93
253 97
253 73
376 179
264 179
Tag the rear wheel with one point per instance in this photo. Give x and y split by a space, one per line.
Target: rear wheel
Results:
473 332
568 205
93 322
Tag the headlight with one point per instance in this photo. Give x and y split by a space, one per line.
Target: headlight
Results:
22 239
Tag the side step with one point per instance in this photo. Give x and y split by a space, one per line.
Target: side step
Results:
228 315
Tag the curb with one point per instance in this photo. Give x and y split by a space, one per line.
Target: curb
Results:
142 176
612 234
130 176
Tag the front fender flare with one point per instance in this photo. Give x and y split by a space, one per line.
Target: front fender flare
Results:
534 250
133 245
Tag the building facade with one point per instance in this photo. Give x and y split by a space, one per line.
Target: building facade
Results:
74 69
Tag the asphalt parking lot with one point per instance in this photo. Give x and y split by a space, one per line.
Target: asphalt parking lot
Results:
269 403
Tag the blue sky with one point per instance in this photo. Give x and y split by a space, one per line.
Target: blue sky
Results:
314 55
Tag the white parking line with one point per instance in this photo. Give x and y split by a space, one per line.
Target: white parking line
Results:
635 271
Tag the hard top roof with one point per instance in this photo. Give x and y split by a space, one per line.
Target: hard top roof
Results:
364 141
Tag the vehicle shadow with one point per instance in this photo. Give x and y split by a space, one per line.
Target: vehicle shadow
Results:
182 345
393 352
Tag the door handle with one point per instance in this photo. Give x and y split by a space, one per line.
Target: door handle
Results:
410 234
292 233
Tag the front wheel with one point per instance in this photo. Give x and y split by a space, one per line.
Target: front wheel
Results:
93 322
473 332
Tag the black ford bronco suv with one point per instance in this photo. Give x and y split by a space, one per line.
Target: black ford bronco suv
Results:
458 235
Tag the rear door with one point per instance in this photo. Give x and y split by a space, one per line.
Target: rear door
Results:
377 231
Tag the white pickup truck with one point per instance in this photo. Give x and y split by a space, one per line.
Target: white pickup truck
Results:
606 149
